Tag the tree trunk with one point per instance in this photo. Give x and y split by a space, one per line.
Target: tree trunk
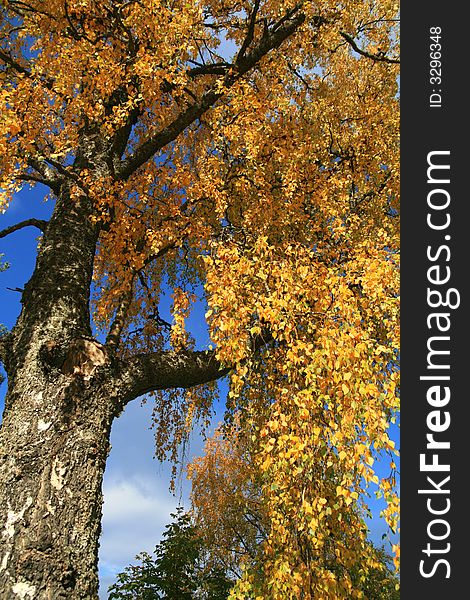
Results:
54 442
54 437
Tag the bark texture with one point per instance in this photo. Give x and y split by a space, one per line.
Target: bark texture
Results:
54 441
54 437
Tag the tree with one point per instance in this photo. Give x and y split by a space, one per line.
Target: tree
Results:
381 581
178 571
227 502
193 558
233 512
265 181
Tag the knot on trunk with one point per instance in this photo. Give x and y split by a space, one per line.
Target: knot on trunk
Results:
80 357
83 357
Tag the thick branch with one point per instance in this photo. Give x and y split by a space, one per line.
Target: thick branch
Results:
269 41
53 183
33 178
250 33
167 135
49 175
114 335
163 370
220 68
39 223
145 373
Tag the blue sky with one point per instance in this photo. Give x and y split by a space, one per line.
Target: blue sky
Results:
137 501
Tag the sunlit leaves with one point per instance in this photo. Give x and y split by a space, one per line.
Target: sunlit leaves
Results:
272 196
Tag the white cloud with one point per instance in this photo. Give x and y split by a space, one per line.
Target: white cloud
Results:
137 500
134 516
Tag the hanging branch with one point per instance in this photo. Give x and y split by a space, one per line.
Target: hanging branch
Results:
380 57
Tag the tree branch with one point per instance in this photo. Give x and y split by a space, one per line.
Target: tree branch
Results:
219 68
46 176
39 223
152 371
19 68
269 41
114 335
168 369
115 331
250 33
376 57
34 178
11 62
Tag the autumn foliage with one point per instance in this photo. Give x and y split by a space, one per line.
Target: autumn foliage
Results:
244 154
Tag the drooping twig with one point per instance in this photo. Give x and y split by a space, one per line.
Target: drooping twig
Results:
381 57
114 335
